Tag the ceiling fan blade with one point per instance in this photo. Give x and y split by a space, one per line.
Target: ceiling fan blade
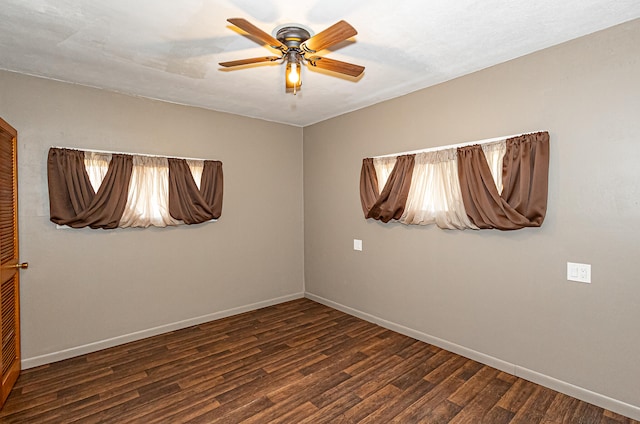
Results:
334 34
256 32
336 66
249 61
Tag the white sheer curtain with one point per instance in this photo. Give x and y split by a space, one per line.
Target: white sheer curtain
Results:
494 152
148 196
196 167
96 165
384 166
435 197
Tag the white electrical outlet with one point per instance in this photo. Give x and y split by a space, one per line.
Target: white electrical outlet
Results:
579 272
357 244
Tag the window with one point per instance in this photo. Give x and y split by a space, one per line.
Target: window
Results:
443 186
105 190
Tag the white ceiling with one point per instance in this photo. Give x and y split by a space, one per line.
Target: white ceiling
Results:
169 50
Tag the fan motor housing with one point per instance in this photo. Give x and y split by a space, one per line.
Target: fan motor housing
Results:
292 36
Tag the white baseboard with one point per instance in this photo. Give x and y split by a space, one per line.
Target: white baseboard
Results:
138 335
623 408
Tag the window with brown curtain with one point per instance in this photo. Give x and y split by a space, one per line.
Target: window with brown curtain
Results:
501 185
109 190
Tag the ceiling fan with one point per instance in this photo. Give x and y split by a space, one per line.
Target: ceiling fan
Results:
296 46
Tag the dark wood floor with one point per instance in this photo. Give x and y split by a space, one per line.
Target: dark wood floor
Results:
298 362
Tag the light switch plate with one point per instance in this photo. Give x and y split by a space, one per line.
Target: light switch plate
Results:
357 244
579 272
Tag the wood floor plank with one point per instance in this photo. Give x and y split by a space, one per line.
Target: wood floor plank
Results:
371 403
420 410
498 415
332 412
561 409
611 417
296 362
517 396
472 387
442 413
389 374
383 353
534 409
389 410
444 364
276 416
247 410
478 408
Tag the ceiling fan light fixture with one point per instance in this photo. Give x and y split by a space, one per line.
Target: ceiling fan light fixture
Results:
293 73
293 77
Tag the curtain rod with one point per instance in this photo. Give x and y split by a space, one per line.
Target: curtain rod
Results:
124 153
453 146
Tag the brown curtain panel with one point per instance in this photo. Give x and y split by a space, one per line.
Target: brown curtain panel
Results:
390 203
186 201
368 185
525 171
212 186
72 200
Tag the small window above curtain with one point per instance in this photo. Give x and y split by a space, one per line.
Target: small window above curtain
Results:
502 184
110 190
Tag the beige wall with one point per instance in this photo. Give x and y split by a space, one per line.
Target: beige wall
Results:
87 286
501 294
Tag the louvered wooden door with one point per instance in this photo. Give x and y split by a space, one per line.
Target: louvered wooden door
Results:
9 275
